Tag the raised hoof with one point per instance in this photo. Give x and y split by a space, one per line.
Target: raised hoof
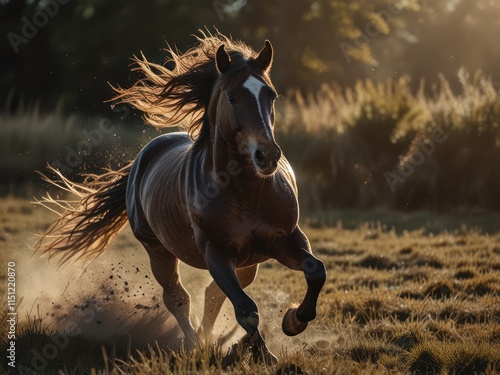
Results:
291 325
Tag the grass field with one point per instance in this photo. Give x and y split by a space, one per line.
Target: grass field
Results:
405 294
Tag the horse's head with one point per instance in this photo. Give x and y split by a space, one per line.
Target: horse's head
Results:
245 107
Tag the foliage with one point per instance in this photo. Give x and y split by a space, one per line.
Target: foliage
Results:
86 43
382 145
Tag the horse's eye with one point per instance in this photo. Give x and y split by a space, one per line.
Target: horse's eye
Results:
232 99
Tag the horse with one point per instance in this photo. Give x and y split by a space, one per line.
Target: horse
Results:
218 195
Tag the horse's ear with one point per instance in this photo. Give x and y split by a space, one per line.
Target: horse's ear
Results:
222 60
265 58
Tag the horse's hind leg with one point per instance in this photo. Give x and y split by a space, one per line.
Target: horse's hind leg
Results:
215 297
165 267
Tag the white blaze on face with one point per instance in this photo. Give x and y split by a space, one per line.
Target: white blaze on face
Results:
255 86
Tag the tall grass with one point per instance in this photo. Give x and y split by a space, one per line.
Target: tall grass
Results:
382 145
30 139
372 145
27 136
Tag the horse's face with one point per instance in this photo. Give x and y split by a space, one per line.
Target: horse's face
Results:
245 110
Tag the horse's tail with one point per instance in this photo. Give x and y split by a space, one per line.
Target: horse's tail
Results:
89 224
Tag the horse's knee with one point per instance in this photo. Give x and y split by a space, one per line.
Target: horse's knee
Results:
315 271
247 316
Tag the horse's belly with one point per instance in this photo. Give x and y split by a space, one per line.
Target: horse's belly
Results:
171 226
180 242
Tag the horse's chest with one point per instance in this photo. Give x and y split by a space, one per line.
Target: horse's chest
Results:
252 241
262 228
249 223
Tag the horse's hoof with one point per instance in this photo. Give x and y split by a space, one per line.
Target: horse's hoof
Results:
266 357
261 353
190 341
291 325
253 345
270 359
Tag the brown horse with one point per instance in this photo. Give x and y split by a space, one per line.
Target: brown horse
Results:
220 197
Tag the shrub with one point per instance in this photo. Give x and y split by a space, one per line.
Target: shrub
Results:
381 145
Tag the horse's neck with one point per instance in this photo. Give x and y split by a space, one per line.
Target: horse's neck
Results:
222 158
216 157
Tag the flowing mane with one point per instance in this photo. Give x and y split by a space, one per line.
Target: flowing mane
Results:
180 96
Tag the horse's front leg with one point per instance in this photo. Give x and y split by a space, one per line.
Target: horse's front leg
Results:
223 269
215 297
295 253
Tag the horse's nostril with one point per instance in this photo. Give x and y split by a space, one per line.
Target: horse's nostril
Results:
260 157
266 161
277 156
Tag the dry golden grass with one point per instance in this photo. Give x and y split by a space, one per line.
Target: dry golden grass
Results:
346 142
394 302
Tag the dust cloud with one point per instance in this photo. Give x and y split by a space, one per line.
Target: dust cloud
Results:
115 297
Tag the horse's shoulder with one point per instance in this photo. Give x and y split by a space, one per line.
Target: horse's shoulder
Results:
156 151
170 143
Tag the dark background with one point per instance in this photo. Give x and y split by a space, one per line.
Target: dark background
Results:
88 43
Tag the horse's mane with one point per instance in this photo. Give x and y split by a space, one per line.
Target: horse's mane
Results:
181 95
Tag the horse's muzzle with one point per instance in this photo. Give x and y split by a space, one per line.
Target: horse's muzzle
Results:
266 160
